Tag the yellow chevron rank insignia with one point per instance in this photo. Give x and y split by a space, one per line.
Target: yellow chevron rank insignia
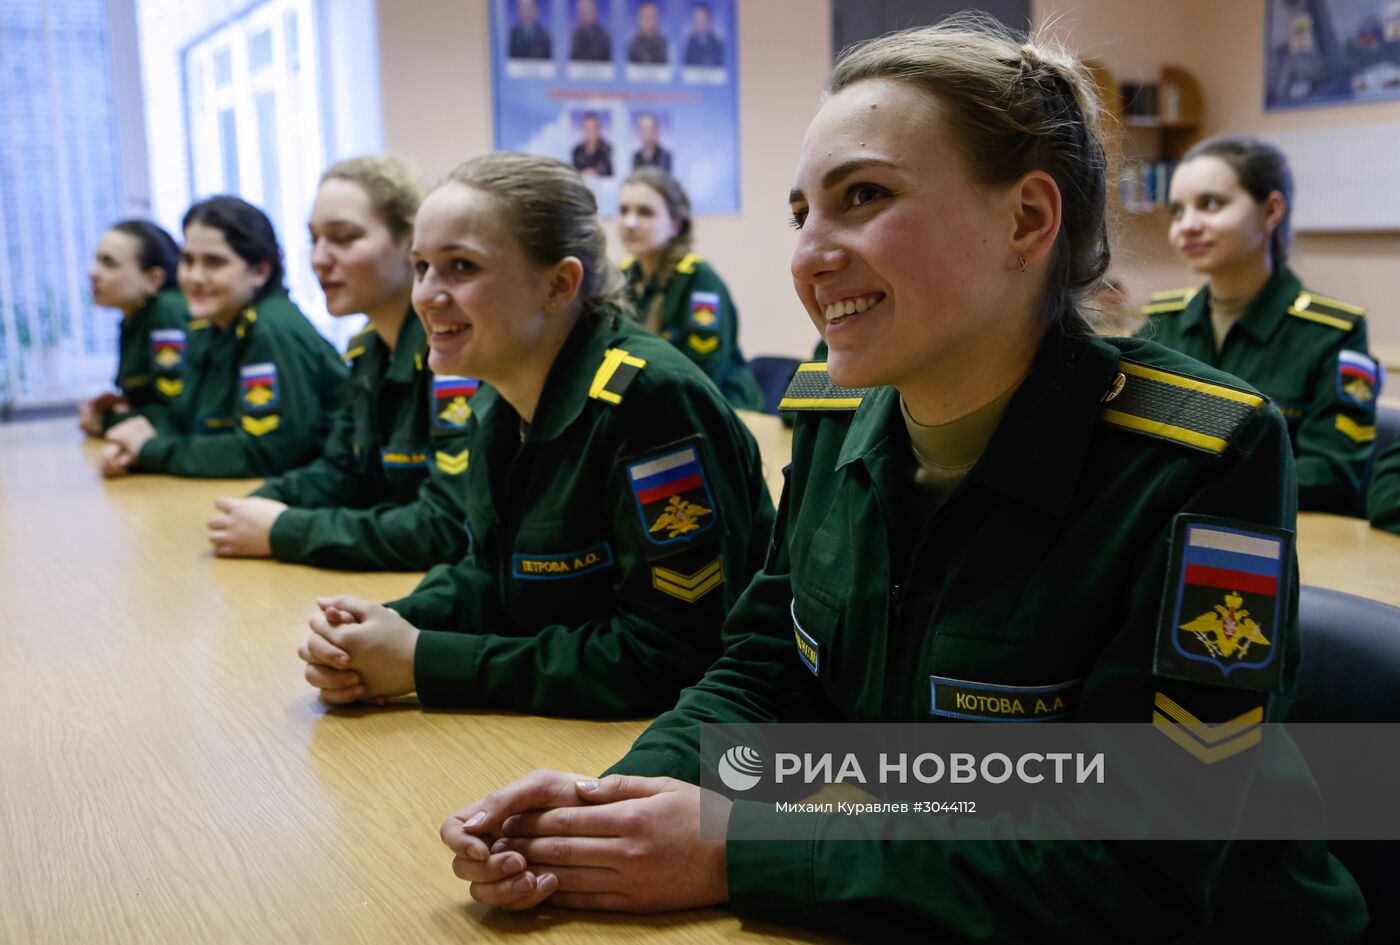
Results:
1356 432
257 426
617 372
1207 742
702 345
1177 407
451 463
1333 313
1173 300
170 386
688 587
812 388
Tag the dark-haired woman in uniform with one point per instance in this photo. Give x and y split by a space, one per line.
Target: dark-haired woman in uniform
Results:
261 385
1231 199
616 506
676 293
134 271
986 509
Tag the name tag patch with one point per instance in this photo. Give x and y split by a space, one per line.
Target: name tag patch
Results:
808 649
991 702
528 567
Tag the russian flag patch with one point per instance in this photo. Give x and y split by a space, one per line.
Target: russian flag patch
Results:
672 495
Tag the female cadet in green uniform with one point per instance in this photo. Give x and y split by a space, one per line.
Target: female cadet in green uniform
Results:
1383 499
134 270
1230 203
387 492
984 508
616 505
261 385
675 293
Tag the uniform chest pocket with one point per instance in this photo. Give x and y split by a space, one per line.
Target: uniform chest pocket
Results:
560 580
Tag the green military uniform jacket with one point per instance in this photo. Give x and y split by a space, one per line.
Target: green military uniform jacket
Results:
387 491
151 358
1308 354
1047 567
607 544
259 396
699 318
1383 499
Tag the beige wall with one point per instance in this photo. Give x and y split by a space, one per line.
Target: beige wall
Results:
435 62
1222 44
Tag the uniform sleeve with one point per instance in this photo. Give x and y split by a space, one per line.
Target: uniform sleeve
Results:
281 433
710 338
1383 501
1336 434
335 478
668 608
387 536
956 883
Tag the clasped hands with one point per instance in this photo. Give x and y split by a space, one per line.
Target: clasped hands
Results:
358 650
620 843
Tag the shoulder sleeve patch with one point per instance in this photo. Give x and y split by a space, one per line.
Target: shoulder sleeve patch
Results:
168 349
812 389
688 263
617 372
260 391
673 499
1177 407
704 311
1173 300
451 409
1333 313
1219 623
1359 379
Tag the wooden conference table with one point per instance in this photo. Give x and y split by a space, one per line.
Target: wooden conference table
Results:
167 776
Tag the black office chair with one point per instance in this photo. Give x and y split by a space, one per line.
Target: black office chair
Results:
773 375
1351 673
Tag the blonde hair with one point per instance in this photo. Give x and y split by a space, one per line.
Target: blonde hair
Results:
1013 105
394 186
553 215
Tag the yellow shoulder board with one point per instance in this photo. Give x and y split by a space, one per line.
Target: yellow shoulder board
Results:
626 262
1171 301
1177 407
1324 311
197 323
353 353
688 263
617 372
811 388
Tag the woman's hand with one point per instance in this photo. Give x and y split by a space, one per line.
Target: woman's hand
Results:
245 527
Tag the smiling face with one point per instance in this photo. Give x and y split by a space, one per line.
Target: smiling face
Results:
900 258
480 298
644 222
116 276
1216 225
357 261
217 282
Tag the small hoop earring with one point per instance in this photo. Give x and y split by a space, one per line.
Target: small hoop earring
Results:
1022 257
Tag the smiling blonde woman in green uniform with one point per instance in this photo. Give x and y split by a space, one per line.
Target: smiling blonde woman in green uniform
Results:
134 271
387 491
1231 198
616 506
261 385
985 506
675 293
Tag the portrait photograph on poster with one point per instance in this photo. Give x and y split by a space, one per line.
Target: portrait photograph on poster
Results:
1331 52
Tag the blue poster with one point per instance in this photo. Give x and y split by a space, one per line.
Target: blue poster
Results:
611 85
1331 52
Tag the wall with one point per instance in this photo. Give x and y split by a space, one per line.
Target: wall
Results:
436 90
1222 44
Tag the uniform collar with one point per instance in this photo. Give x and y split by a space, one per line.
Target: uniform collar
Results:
1261 318
410 350
566 387
1038 449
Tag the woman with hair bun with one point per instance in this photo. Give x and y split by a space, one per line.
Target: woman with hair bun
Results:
984 521
134 271
615 505
261 385
1231 202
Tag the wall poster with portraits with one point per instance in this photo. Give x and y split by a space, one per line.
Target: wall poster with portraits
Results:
611 85
1331 52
